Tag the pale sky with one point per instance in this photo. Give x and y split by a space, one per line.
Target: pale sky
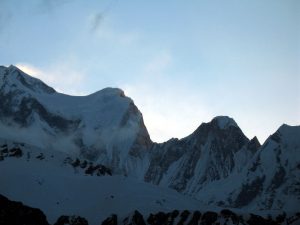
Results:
182 62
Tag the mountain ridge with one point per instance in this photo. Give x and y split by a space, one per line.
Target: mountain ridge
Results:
120 92
216 163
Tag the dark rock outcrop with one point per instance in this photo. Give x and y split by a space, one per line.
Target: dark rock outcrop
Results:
88 167
112 220
159 218
71 220
136 219
209 218
255 220
249 192
15 213
195 218
224 217
16 152
228 214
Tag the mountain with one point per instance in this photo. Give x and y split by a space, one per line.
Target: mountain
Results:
269 181
105 126
214 151
92 156
272 179
220 166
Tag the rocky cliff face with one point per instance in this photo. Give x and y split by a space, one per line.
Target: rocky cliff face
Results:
270 180
214 151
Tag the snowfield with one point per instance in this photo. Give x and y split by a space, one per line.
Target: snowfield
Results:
59 189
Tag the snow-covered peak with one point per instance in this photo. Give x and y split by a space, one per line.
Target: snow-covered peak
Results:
224 122
12 68
287 135
253 145
12 78
109 91
104 126
217 125
290 131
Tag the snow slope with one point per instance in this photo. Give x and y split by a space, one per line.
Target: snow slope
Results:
59 189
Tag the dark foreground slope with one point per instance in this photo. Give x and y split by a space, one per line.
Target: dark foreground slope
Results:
15 213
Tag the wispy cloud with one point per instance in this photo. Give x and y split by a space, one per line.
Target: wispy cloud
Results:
96 21
50 5
103 31
98 17
64 77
